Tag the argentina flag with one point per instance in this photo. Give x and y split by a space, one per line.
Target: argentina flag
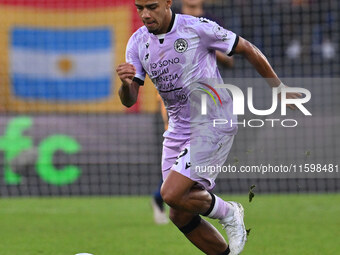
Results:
53 64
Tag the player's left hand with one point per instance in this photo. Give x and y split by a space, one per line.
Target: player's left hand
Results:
291 95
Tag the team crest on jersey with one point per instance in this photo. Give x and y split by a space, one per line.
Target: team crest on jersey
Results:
181 45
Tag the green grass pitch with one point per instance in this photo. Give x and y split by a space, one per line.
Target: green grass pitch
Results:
280 224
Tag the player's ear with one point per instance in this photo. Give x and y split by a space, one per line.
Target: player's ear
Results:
168 3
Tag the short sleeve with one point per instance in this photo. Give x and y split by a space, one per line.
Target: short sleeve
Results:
132 57
215 37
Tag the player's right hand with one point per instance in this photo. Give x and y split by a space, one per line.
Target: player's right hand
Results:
126 72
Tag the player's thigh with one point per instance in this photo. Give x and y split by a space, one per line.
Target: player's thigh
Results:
207 154
176 186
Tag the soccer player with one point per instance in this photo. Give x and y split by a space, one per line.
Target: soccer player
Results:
193 8
178 53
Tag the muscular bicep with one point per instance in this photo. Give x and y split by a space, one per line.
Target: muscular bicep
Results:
224 60
258 60
243 46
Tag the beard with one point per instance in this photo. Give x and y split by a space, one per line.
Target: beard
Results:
152 30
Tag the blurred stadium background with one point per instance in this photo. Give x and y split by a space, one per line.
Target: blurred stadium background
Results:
63 130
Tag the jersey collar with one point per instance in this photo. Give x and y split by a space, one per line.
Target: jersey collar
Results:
171 22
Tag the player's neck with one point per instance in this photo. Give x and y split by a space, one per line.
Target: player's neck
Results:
169 19
196 11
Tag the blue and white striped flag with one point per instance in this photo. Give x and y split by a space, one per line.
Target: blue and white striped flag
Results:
61 64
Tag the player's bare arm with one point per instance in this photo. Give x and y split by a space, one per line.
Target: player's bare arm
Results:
262 66
258 60
224 60
128 92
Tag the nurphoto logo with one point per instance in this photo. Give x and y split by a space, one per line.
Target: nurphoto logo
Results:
239 105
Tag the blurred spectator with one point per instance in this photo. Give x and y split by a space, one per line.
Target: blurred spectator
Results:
309 25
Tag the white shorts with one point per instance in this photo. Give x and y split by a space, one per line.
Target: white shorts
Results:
190 157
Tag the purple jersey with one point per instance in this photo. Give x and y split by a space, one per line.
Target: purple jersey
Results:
182 65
